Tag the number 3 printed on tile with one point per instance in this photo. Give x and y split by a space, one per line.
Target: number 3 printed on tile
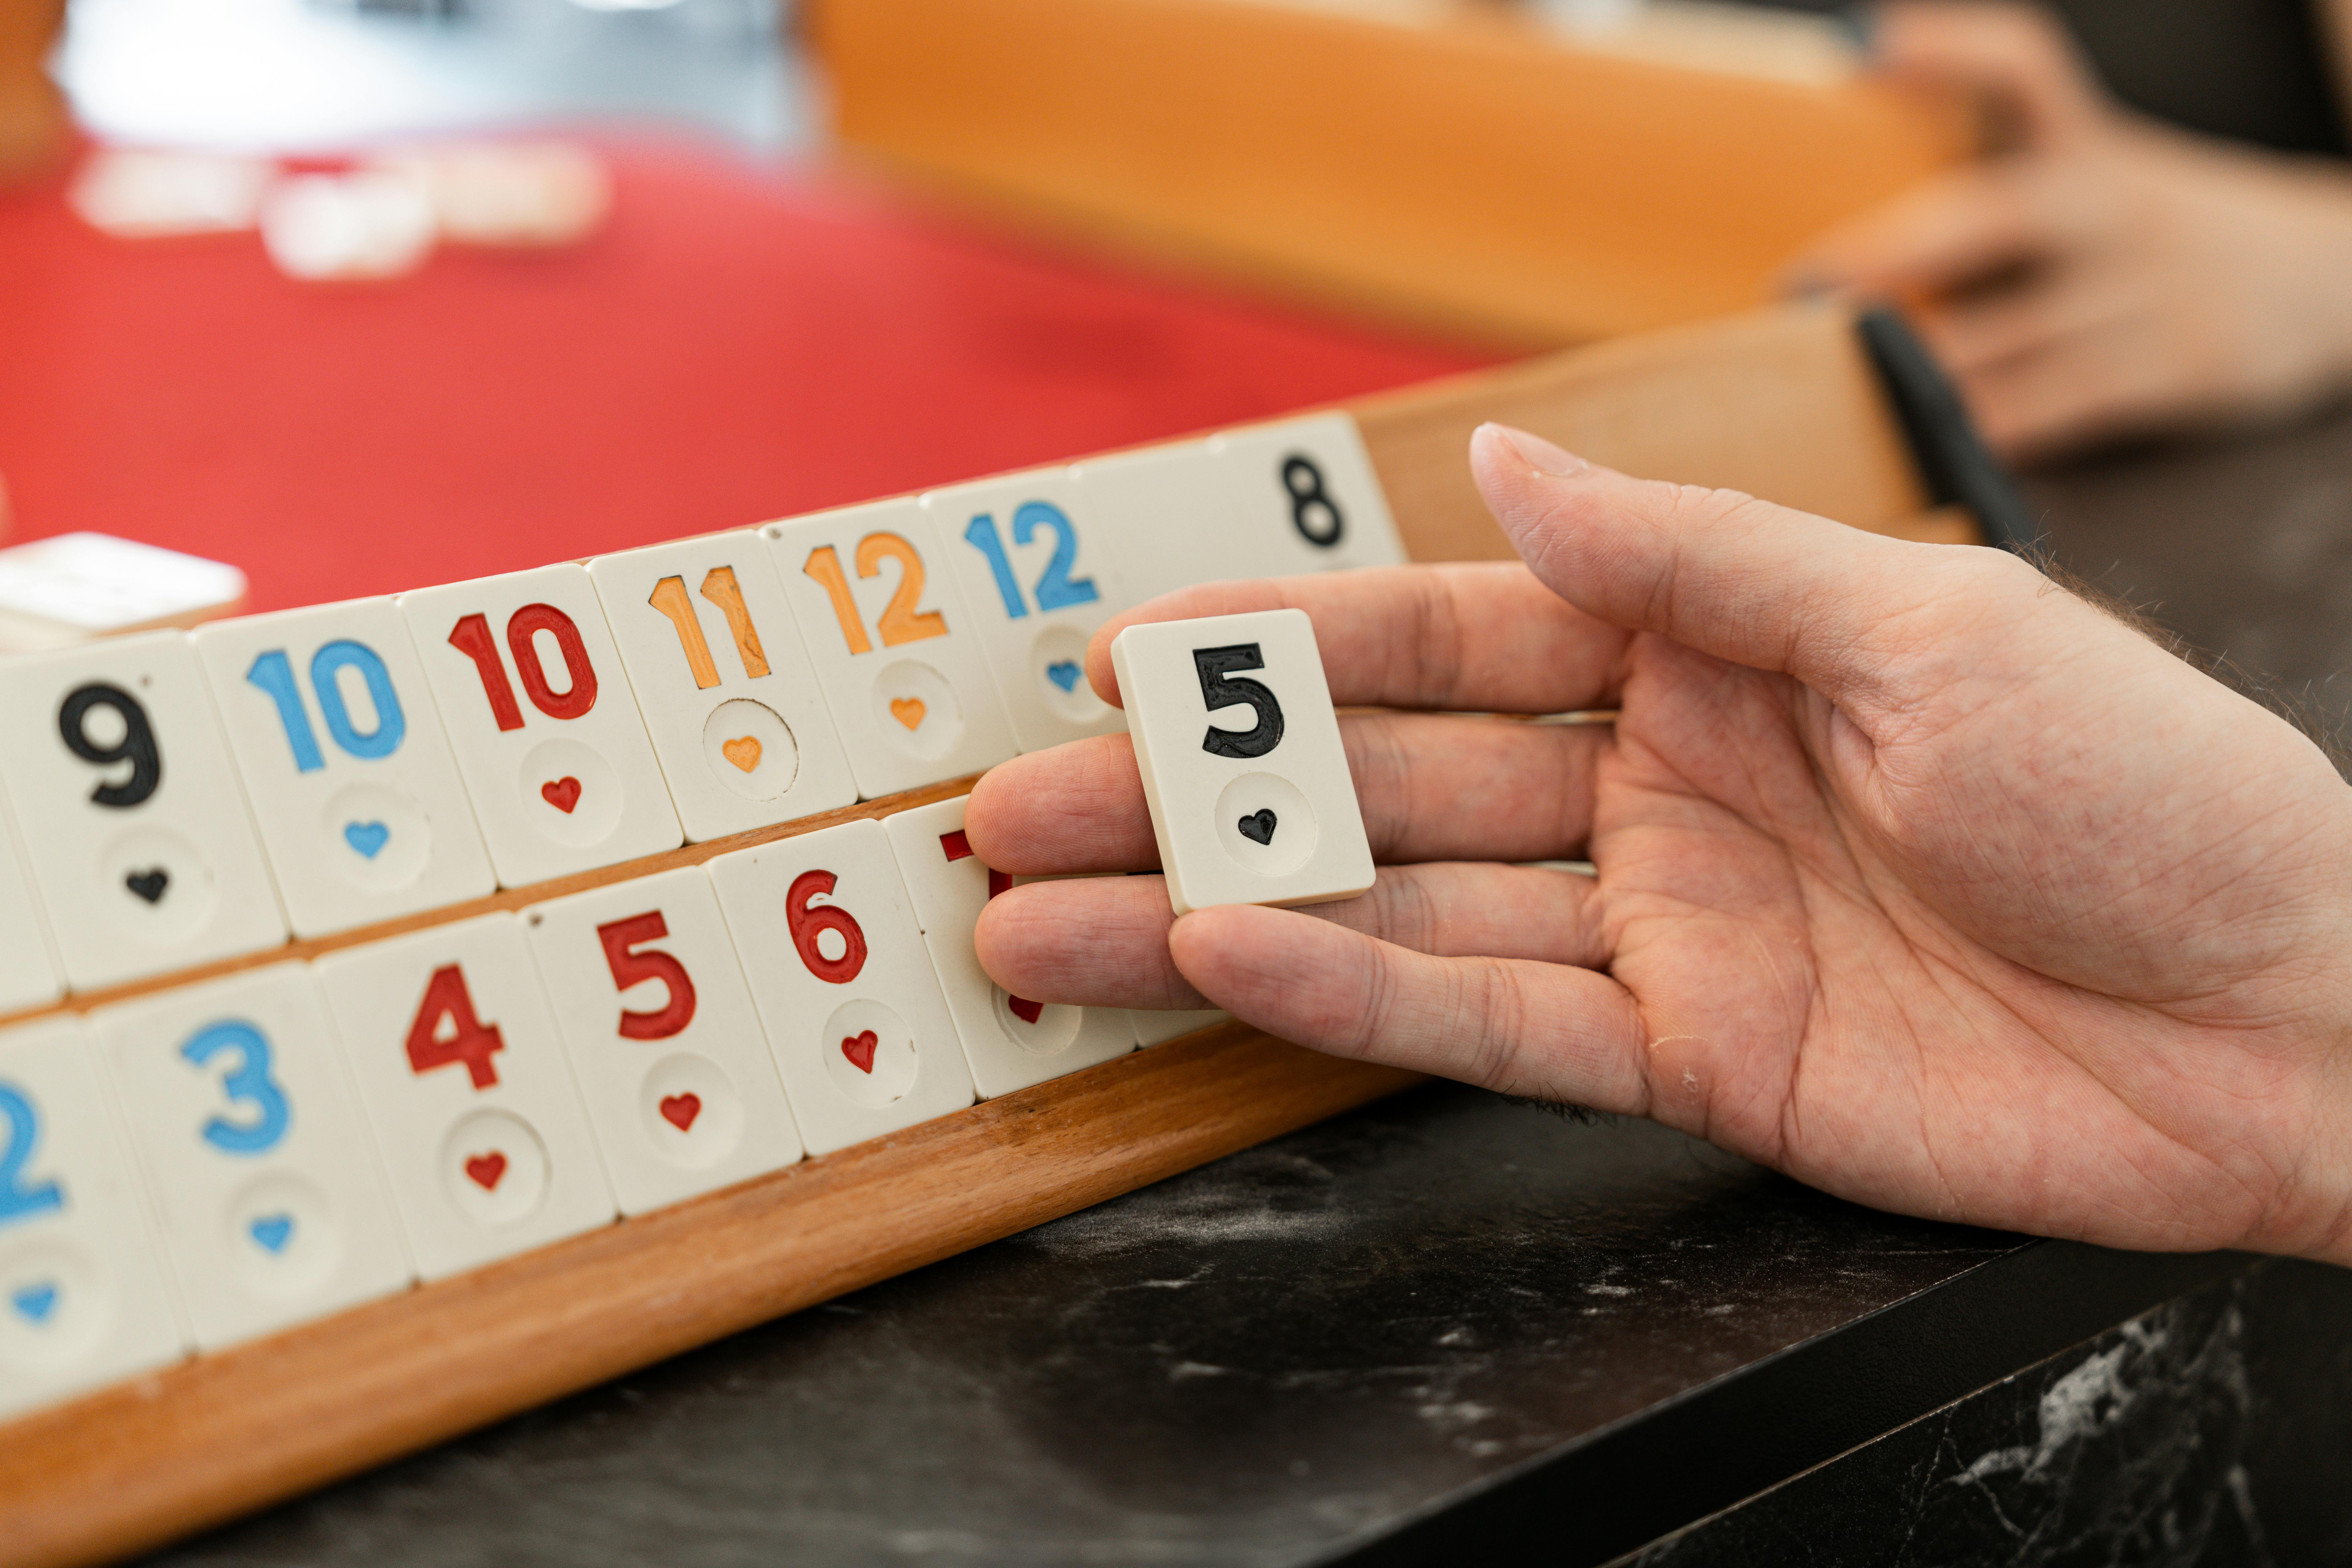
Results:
248 1083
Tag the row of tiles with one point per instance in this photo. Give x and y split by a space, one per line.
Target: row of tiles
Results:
179 799
211 1163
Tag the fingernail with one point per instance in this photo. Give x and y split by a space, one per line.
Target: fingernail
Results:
1540 455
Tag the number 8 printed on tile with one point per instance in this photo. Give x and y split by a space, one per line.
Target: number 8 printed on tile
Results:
354 788
134 822
546 735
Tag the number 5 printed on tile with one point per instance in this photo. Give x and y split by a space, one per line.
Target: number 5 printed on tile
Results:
274 1208
547 734
1037 567
669 1054
134 822
718 669
891 640
340 746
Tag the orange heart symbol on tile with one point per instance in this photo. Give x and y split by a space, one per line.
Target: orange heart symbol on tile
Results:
907 711
486 1171
860 1050
743 751
680 1109
563 795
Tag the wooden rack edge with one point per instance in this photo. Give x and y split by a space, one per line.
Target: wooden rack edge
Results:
142 1463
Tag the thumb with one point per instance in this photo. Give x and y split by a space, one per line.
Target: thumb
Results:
1744 580
2018 59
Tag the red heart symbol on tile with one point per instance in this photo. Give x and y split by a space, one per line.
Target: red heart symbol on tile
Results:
486 1171
860 1050
563 795
680 1109
1024 1010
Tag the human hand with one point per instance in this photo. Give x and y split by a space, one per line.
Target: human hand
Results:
1920 878
2102 276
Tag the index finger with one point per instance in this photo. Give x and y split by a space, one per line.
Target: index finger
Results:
1472 636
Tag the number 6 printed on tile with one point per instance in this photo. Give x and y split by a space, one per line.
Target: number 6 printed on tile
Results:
861 1035
134 822
546 735
338 742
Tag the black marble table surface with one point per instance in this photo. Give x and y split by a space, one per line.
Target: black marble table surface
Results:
1444 1319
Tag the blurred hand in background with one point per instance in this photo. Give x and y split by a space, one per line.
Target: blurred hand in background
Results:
2098 275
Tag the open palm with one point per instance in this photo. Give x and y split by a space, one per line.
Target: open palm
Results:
1919 878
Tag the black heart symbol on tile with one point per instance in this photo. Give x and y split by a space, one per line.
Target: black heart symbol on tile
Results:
1258 828
149 885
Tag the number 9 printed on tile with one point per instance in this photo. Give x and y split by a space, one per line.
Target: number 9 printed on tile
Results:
135 821
1243 766
353 786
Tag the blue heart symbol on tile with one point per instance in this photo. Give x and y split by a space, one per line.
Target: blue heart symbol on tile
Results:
1065 674
368 837
34 1302
273 1231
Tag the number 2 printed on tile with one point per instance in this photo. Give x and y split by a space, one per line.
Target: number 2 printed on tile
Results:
20 1125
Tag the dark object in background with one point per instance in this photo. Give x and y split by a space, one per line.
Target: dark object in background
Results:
1953 459
2252 70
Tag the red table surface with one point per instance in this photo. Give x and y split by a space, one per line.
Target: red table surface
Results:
737 344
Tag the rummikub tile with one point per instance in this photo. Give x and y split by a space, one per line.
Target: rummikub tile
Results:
466 1084
1036 571
722 679
1243 766
134 822
1306 497
273 1208
895 650
1010 1042
555 759
29 961
853 1013
351 780
84 1299
1167 514
664 1042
